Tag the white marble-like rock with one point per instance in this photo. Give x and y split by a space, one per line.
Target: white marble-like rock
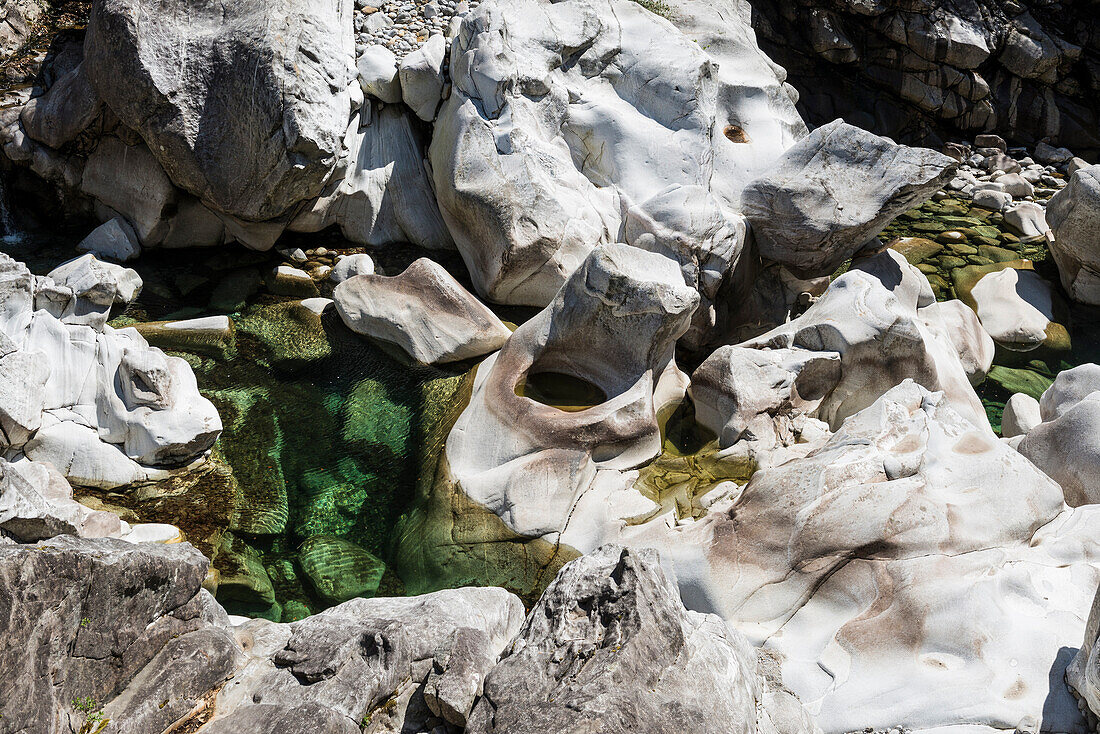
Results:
23 377
760 395
100 283
833 192
1027 218
380 193
1021 414
882 339
1015 308
913 569
351 265
424 311
1015 185
108 400
991 199
176 71
113 240
958 322
1074 217
535 152
1066 445
421 74
37 503
377 68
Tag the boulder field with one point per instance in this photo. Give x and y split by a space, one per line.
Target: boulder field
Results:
717 452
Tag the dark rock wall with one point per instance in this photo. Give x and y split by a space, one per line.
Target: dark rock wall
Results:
924 71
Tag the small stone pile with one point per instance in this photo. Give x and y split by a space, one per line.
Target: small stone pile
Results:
404 26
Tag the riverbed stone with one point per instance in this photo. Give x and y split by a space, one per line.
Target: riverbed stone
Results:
339 569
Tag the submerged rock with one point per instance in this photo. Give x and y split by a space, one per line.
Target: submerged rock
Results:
424 311
338 569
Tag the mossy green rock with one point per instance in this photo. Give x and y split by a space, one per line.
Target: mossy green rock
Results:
951 262
339 570
1023 380
915 249
962 249
951 237
997 254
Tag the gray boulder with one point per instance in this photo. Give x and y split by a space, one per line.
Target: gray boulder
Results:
611 648
85 619
244 104
64 111
424 311
377 68
833 192
421 74
113 240
1074 217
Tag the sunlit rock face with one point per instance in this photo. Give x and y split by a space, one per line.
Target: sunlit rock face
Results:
99 404
563 116
245 105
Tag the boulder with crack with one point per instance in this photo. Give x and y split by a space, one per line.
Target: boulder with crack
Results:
913 569
611 648
424 311
534 152
833 192
99 404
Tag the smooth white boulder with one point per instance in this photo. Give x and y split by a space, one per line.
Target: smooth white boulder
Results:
535 151
37 503
377 68
1015 185
424 311
76 451
23 377
1027 218
833 192
1021 414
351 265
1066 445
960 325
1015 308
1074 217
113 240
421 74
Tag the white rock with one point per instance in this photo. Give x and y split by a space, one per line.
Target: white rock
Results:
1015 308
153 532
1015 185
77 452
421 74
881 339
424 311
23 377
351 265
1021 414
317 305
1027 218
833 192
37 503
378 74
114 240
960 325
1083 673
1074 216
100 283
129 180
760 394
534 154
989 199
1066 445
